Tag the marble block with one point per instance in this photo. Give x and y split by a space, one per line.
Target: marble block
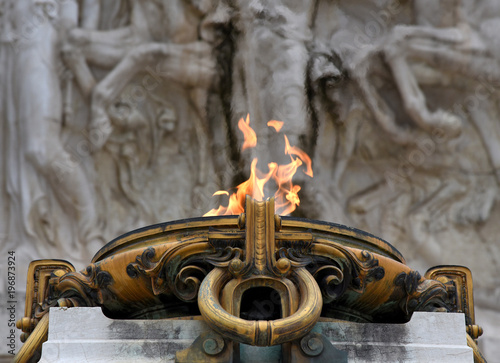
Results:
86 335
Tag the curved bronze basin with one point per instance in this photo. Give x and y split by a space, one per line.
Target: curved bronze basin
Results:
224 269
157 271
221 268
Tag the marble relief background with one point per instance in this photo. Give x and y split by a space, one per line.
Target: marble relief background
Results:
119 114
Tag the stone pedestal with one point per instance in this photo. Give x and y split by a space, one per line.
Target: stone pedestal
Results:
86 335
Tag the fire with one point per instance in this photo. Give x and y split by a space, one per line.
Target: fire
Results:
277 125
286 196
248 133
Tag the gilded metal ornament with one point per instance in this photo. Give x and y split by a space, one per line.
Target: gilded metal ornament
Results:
228 268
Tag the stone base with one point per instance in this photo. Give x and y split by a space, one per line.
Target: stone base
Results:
428 337
86 335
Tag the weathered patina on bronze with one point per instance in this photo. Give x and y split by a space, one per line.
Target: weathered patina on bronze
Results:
219 267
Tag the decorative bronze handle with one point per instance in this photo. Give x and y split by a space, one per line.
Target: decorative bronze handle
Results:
260 332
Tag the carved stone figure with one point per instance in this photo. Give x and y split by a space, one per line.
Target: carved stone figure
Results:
405 166
56 195
36 147
269 65
140 45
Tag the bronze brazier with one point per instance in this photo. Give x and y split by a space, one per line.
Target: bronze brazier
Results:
217 268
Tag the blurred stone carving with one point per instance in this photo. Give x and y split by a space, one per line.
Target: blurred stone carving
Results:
103 108
37 186
269 64
405 96
392 54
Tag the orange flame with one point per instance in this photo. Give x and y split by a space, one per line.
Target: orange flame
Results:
248 133
293 150
286 196
277 125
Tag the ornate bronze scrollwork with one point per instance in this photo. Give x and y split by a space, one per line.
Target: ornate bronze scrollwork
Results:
213 266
